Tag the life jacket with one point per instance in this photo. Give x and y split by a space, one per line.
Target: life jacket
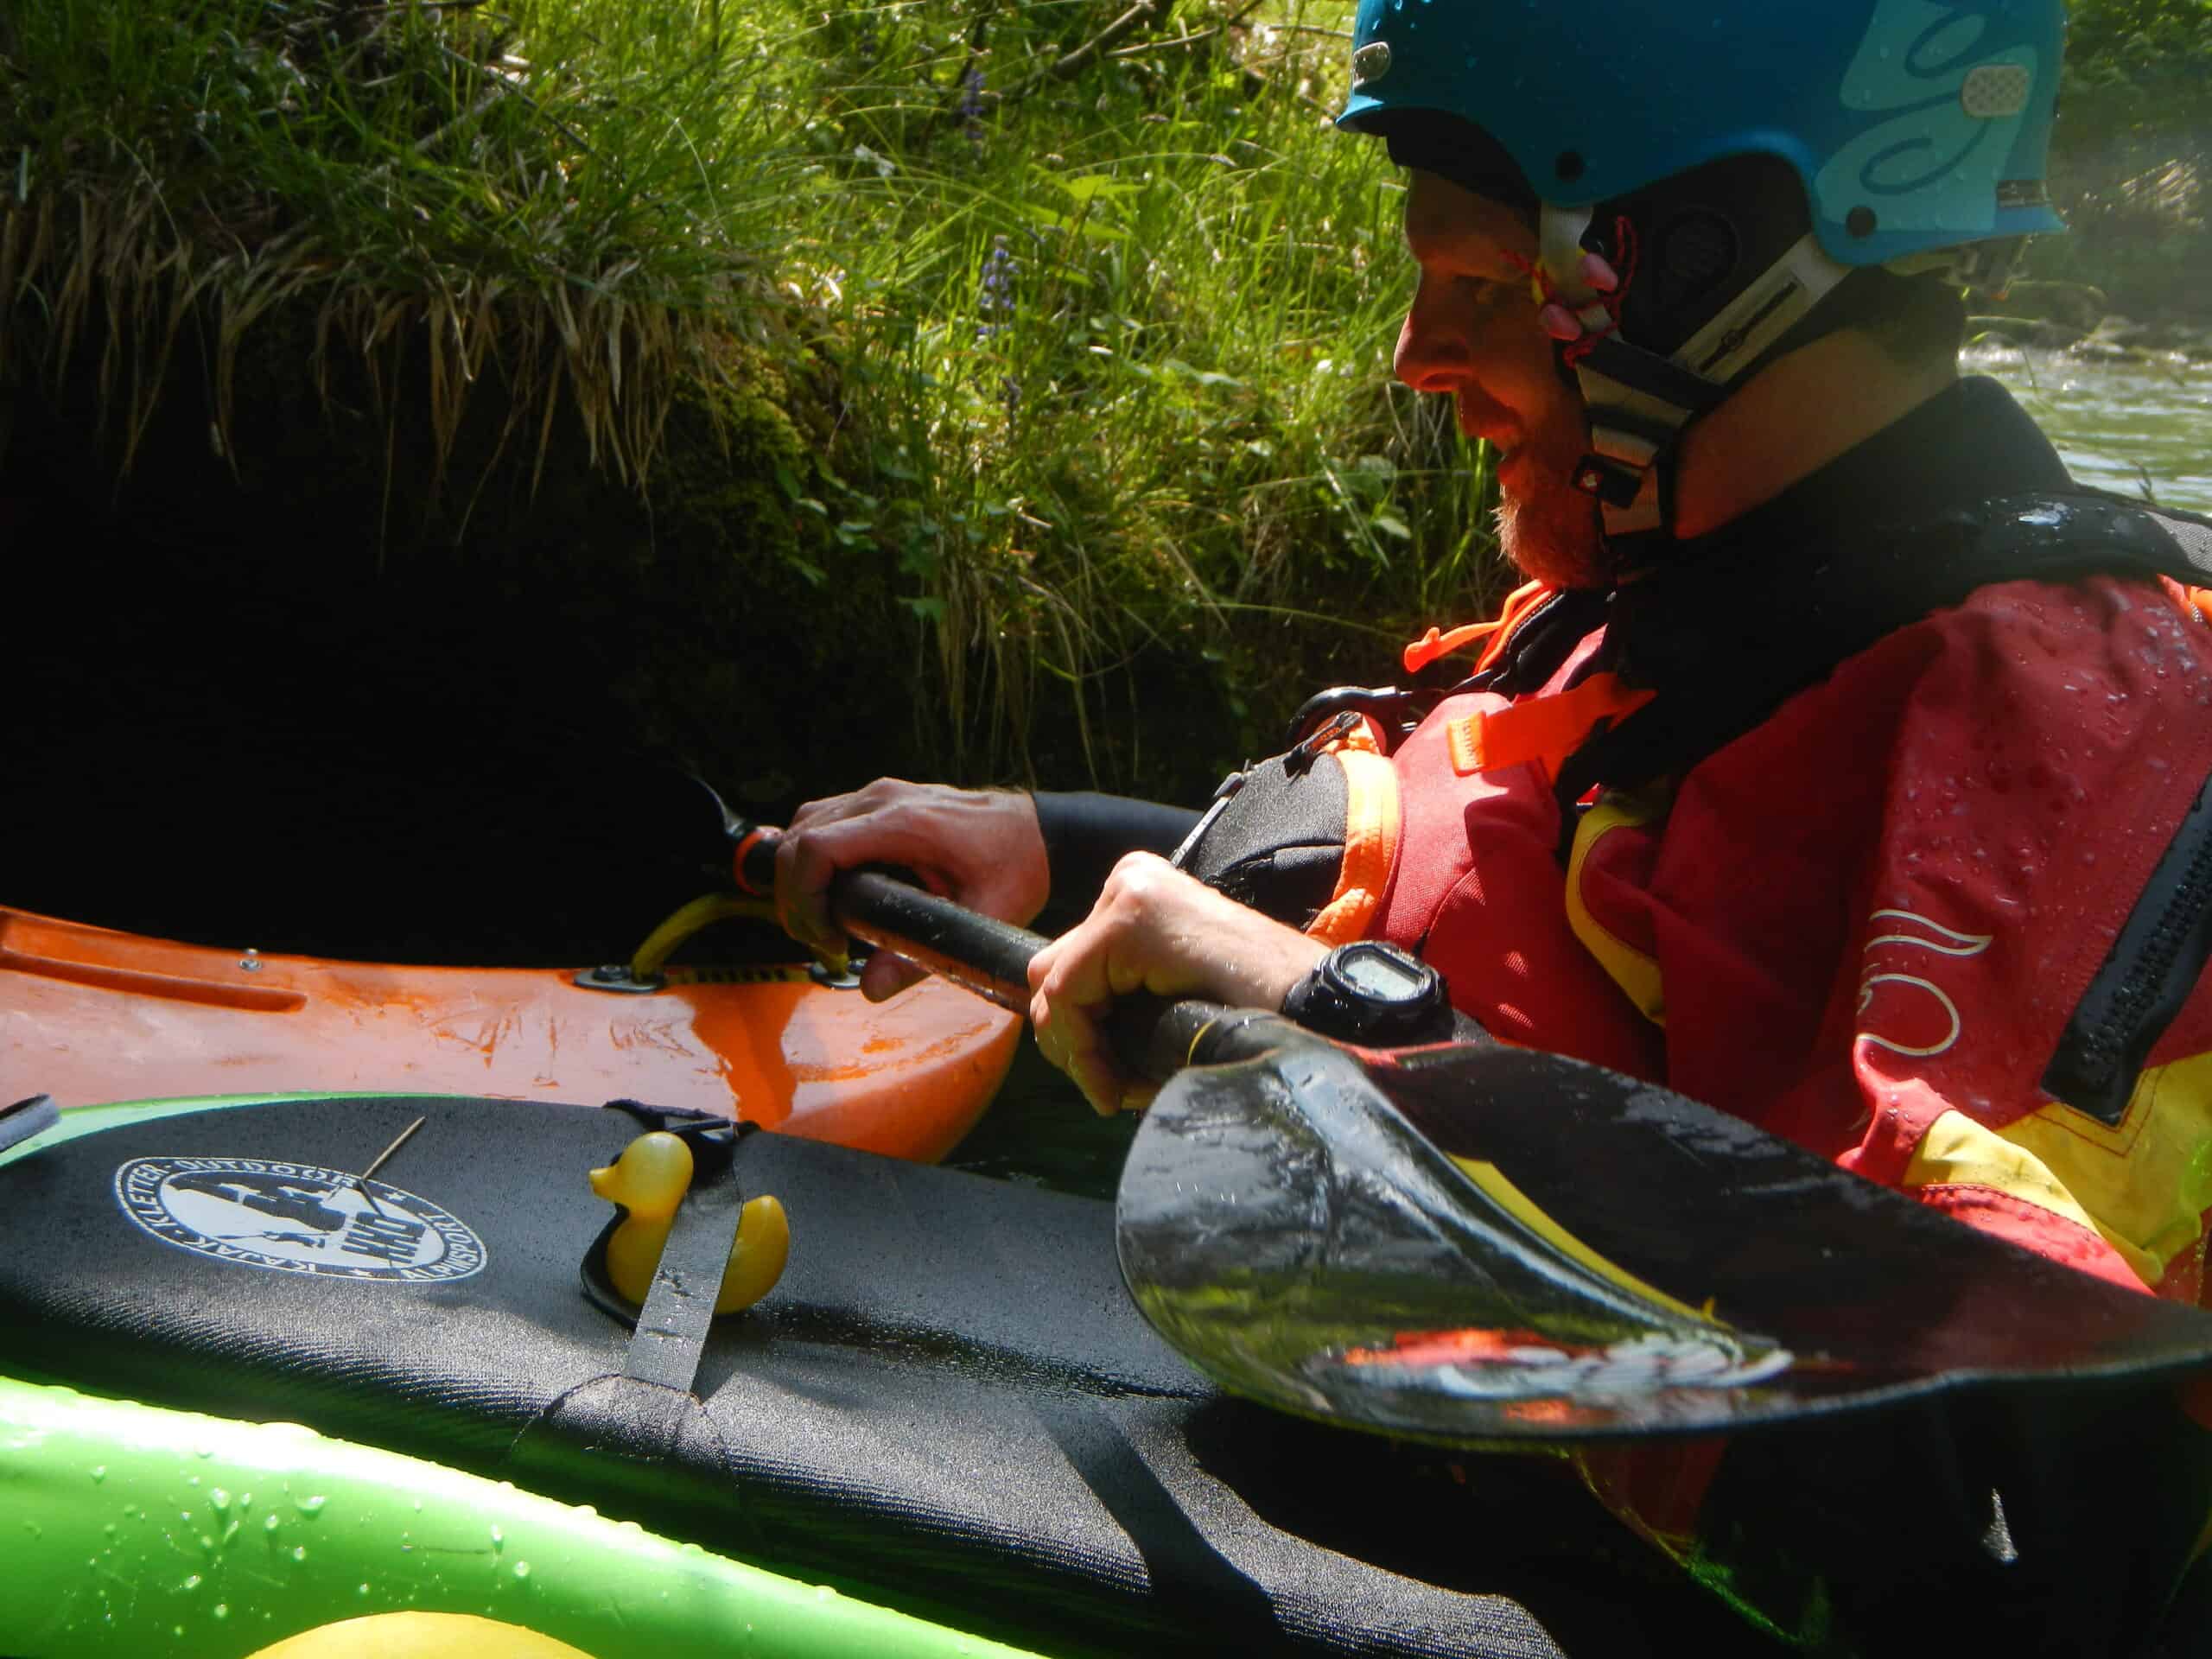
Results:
1385 817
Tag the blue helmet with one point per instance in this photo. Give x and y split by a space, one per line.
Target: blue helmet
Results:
1913 124
1655 143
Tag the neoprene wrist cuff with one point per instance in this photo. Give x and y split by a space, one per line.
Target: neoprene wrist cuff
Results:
1086 834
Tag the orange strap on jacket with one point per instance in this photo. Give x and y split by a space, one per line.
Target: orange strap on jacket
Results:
1519 606
1548 728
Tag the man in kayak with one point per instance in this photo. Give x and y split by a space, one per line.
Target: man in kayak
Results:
1843 764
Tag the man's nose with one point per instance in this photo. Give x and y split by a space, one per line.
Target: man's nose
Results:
1434 352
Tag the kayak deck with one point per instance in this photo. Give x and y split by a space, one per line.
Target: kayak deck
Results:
90 1015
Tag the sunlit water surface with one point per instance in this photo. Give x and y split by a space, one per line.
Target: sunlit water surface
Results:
2118 424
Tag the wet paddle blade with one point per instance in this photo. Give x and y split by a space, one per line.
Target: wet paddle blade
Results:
1481 1245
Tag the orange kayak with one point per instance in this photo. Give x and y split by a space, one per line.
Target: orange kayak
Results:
90 1015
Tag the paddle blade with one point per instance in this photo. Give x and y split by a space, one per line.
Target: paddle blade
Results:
1569 1254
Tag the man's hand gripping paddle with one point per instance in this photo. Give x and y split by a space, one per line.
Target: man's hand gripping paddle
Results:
1475 1244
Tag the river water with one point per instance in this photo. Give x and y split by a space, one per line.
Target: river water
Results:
2118 423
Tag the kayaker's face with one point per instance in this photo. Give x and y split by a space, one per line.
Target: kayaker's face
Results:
1471 331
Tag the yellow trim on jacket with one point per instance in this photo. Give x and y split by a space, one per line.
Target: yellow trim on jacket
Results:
2142 1185
1636 973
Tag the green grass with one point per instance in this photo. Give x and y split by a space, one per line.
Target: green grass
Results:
1097 362
1060 345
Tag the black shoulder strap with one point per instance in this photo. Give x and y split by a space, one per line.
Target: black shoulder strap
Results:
1727 647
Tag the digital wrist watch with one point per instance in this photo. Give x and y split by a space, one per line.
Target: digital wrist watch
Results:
1371 992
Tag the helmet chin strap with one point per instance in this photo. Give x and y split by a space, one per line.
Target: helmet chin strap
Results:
1637 403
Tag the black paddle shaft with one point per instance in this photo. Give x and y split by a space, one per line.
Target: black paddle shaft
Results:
1154 1038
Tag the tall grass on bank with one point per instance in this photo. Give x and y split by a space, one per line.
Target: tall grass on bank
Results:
1143 349
1101 308
439 203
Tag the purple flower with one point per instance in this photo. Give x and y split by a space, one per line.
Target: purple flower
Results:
995 298
971 104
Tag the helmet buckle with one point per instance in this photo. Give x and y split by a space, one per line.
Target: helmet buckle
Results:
1612 482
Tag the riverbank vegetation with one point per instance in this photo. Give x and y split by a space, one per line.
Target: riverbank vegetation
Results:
999 390
1011 366
2132 173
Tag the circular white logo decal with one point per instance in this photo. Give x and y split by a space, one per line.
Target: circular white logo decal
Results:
262 1212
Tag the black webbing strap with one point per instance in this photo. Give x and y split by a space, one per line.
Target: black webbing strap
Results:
1223 1608
26 1118
645 1417
1220 1607
680 1307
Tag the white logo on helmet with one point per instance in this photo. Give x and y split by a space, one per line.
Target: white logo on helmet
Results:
1371 63
1946 107
1995 90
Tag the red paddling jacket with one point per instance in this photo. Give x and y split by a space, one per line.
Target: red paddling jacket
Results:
1932 903
1880 818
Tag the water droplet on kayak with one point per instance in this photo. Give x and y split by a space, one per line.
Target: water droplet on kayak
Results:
219 1501
192 1582
499 1539
299 1552
222 1610
310 1506
100 1472
361 1589
522 1569
269 1524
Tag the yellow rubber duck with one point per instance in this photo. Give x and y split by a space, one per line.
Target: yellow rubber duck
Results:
649 1180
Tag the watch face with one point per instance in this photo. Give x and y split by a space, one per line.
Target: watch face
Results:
1381 975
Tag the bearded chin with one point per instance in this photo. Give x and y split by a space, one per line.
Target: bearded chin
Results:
1556 538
